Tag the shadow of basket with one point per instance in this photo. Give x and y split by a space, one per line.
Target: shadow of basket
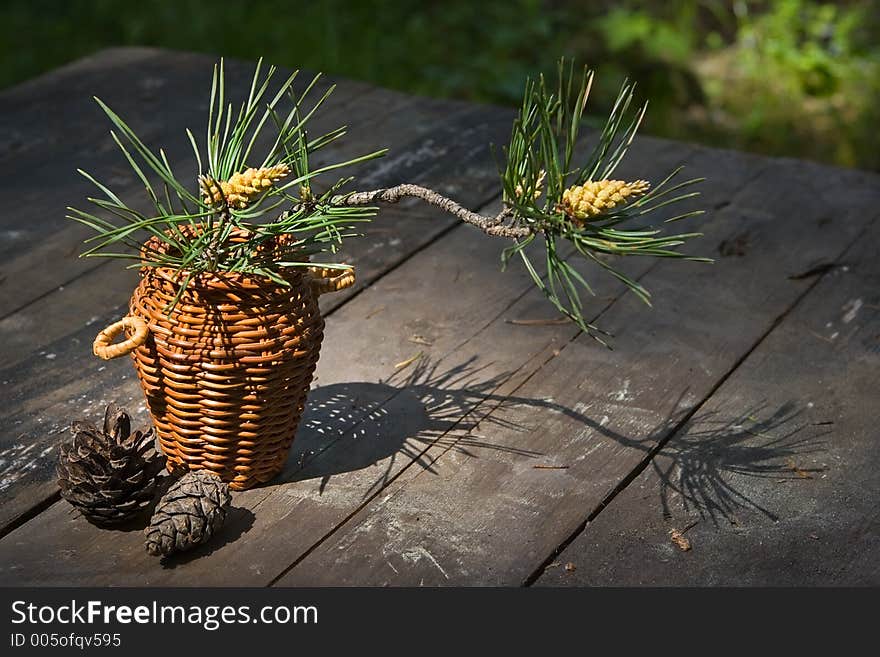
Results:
351 426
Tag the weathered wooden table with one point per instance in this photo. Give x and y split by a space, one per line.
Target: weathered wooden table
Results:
741 411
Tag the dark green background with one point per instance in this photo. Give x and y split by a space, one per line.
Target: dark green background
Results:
791 77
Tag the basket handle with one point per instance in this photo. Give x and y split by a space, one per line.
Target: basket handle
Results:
103 346
328 279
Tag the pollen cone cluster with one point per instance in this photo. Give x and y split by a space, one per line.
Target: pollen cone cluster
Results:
243 187
539 183
597 197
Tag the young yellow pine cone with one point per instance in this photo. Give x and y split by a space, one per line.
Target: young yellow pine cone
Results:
539 183
596 197
212 192
243 187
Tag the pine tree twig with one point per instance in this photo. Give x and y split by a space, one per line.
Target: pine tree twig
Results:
494 226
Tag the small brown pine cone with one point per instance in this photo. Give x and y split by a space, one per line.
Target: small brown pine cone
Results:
189 514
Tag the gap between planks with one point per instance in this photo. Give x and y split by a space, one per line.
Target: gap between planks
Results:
677 427
801 400
779 304
610 301
474 117
474 410
528 287
41 505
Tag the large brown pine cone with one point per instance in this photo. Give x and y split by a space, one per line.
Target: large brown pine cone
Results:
109 475
189 514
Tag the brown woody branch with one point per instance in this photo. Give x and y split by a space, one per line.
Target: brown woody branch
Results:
494 226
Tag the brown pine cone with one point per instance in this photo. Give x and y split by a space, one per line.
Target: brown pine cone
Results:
189 514
109 475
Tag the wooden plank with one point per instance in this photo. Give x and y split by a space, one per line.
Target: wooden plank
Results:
774 479
137 83
454 519
376 329
33 122
139 87
348 392
46 389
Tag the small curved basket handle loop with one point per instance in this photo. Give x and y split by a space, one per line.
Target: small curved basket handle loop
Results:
327 279
103 346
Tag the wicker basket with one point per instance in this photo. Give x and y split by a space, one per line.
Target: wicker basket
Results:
227 371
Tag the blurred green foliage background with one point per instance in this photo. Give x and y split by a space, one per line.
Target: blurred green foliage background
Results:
784 77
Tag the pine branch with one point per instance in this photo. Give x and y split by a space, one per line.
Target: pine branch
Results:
552 196
494 226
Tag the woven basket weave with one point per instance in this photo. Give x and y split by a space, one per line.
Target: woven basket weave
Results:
227 371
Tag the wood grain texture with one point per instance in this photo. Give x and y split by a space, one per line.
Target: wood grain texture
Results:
488 516
774 479
365 429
